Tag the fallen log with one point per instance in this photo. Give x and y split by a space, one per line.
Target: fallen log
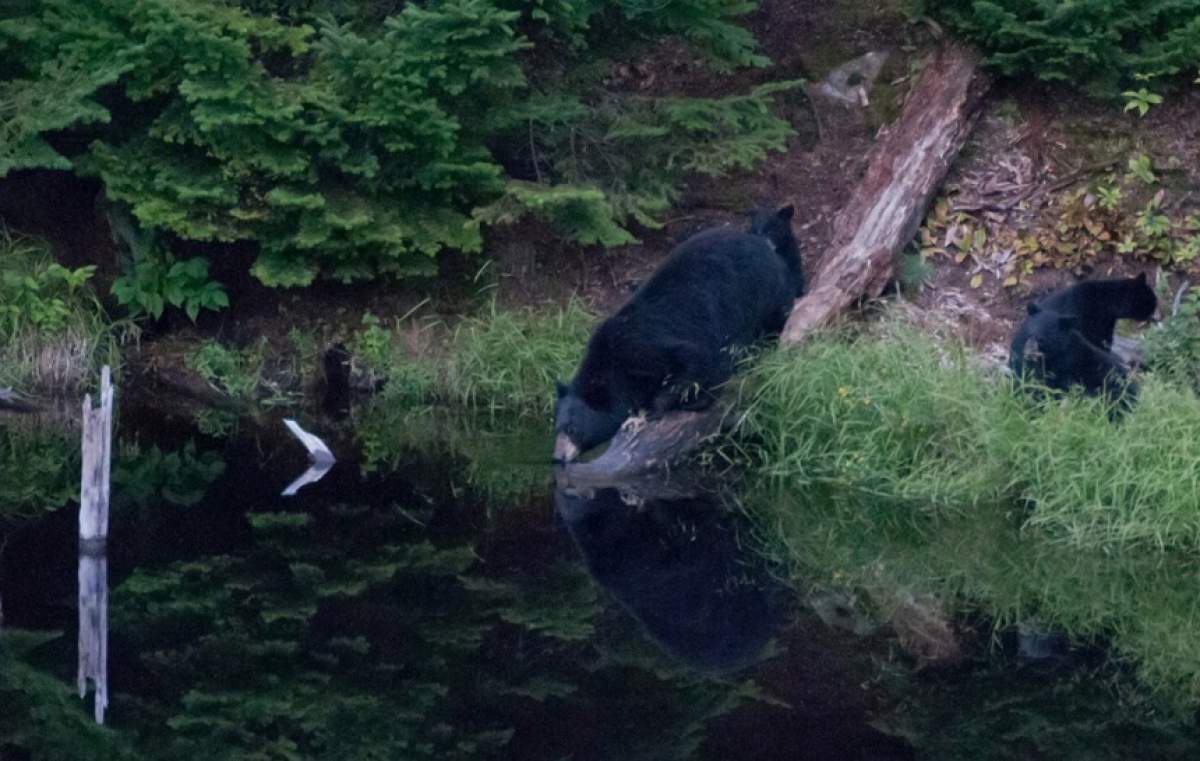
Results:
906 166
908 162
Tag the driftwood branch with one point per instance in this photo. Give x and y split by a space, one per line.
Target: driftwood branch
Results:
906 166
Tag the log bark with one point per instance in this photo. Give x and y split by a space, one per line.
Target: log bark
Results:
644 445
908 162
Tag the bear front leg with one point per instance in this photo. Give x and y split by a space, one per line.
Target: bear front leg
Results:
695 372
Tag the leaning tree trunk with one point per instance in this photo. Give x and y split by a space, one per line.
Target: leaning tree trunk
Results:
906 165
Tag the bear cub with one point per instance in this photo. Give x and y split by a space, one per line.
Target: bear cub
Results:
1050 347
679 336
1098 304
1065 339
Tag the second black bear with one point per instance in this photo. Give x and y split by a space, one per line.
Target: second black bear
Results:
1100 303
679 335
1050 347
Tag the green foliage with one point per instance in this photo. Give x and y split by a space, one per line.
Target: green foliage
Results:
156 280
356 140
1099 45
1140 100
913 272
1172 348
371 348
53 331
626 158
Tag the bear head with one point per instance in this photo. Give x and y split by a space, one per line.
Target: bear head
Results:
1143 303
1054 344
583 421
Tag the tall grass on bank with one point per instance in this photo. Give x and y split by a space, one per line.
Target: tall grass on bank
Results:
916 422
898 466
498 362
54 334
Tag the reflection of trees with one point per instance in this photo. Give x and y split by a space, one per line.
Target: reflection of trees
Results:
40 467
355 632
360 633
40 711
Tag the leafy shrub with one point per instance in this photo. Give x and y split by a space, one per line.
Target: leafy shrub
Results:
1099 45
346 140
157 279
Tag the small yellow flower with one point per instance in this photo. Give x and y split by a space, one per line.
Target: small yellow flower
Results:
866 402
843 391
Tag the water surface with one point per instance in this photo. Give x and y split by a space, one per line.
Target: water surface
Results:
434 596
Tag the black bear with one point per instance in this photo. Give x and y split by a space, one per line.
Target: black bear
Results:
1050 347
776 227
1100 303
679 335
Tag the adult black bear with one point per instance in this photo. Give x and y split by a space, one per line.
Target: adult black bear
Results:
1050 347
1100 303
679 335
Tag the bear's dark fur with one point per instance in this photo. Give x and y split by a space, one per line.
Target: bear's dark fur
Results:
1050 348
678 566
776 227
679 335
1098 304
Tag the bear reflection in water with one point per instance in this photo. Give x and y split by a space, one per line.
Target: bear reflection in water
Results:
677 565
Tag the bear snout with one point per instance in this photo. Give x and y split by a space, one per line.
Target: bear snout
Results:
564 449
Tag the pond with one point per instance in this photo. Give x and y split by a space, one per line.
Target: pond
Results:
435 596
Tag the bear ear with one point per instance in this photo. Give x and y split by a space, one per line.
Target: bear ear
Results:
560 388
1141 278
1032 309
786 213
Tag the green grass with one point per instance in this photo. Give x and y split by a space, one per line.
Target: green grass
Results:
912 421
896 465
498 362
54 334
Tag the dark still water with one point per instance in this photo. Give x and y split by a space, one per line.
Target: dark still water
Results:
433 596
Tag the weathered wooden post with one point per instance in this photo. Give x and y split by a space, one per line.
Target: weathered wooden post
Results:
97 451
93 531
